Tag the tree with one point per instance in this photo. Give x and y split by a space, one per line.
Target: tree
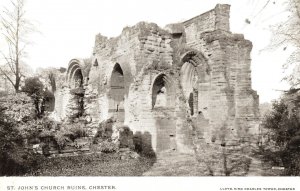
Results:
40 96
15 126
287 33
53 78
15 29
283 123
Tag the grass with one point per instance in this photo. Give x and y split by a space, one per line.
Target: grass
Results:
170 163
96 164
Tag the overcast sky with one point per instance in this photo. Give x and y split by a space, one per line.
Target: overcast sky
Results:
67 29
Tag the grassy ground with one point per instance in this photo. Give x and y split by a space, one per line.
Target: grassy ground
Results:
180 164
92 165
171 163
166 164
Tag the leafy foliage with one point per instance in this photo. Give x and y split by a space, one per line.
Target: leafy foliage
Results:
14 159
107 146
53 78
68 133
40 96
104 131
283 124
19 107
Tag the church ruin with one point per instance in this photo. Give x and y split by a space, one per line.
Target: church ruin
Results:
156 80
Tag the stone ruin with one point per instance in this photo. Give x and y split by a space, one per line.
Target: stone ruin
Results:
161 82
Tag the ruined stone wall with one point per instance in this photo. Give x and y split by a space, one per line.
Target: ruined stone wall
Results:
61 101
108 53
231 82
230 100
143 52
162 82
216 19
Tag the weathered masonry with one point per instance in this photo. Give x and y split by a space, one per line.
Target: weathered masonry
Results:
157 81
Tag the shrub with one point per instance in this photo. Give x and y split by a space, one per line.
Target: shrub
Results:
18 107
3 93
283 124
68 133
42 98
107 147
14 159
78 130
142 144
38 128
104 131
35 89
74 130
61 139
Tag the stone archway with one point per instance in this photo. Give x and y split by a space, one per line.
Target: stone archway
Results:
75 78
162 92
194 74
163 99
116 94
189 84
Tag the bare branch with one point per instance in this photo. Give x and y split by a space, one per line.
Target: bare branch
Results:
7 77
259 12
15 28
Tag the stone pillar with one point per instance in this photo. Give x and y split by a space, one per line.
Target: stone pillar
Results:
222 12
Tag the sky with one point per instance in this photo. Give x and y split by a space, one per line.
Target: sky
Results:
66 29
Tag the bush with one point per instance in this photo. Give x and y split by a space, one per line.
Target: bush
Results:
68 133
78 130
283 124
18 107
74 130
61 139
35 89
107 147
14 159
104 131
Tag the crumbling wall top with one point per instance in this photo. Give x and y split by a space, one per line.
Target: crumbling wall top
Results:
215 19
140 30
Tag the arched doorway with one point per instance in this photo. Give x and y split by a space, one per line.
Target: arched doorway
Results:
75 79
74 75
189 83
116 94
159 92
195 79
163 99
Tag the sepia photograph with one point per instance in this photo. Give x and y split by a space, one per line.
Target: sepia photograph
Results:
158 89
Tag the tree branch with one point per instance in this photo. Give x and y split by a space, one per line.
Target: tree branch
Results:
7 77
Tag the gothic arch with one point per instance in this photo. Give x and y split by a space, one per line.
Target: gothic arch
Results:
75 74
116 94
194 73
163 94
